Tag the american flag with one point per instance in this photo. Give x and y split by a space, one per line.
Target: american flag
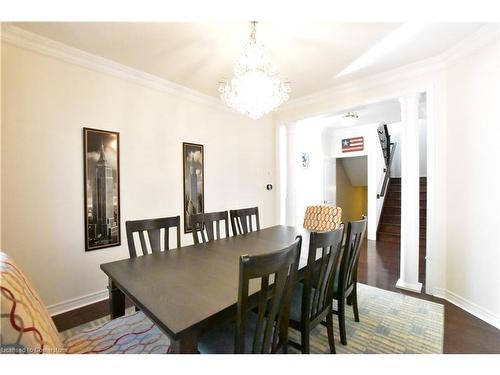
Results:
352 144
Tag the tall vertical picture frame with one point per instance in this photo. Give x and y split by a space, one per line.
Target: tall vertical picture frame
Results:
194 182
101 159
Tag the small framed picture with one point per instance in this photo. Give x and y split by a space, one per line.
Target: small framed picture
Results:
194 186
101 159
305 160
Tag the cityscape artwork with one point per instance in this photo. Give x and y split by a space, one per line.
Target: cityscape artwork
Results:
194 197
102 188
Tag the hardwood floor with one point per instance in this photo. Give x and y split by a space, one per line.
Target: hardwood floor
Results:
463 332
379 267
85 314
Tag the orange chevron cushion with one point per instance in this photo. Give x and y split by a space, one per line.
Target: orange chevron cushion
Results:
25 326
322 218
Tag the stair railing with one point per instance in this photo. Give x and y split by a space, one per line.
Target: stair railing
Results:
388 150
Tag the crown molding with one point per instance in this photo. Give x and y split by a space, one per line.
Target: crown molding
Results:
394 75
478 39
24 39
21 38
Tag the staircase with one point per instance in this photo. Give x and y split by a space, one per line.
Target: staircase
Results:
389 228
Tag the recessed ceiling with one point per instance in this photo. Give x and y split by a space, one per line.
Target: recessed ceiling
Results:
199 55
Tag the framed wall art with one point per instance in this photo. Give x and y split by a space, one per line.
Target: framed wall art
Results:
101 159
194 186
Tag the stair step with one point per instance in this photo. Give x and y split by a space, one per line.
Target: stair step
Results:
388 237
397 187
392 211
390 228
395 227
390 219
390 222
397 195
397 202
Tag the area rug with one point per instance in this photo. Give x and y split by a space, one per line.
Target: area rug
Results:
390 323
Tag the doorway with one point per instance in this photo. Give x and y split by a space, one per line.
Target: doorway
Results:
352 187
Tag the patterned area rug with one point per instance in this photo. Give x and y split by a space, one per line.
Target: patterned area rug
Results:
389 323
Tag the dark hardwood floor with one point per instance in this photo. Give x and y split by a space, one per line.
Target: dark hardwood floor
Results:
379 267
463 332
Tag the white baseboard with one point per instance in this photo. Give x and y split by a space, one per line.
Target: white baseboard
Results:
78 302
416 287
472 308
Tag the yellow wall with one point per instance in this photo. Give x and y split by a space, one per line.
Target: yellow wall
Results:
352 199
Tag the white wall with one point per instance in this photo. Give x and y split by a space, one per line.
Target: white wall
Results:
462 211
473 175
304 186
46 102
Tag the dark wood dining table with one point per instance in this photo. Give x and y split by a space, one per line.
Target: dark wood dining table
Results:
188 290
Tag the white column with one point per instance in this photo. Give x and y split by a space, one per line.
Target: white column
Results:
410 193
290 197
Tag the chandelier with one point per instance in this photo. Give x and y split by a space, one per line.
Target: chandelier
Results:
255 89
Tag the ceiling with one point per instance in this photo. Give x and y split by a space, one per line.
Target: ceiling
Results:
356 169
386 112
199 55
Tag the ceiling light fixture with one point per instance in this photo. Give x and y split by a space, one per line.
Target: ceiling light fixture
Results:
384 47
255 89
350 118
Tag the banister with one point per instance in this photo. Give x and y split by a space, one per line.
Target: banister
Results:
387 170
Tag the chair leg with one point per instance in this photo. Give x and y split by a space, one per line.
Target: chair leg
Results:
305 340
349 300
341 313
329 329
354 295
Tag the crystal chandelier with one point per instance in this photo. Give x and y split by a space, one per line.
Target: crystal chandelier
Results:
255 89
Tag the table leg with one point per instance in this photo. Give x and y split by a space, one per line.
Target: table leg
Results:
188 344
116 300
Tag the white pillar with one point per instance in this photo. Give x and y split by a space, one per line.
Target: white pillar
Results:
410 195
290 196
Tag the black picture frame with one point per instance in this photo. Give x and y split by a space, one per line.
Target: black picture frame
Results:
193 176
101 181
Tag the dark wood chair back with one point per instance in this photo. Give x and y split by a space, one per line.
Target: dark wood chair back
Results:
273 308
349 264
153 228
320 274
207 226
241 220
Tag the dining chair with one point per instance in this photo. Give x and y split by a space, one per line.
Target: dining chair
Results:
241 220
312 298
153 227
204 223
345 284
261 325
